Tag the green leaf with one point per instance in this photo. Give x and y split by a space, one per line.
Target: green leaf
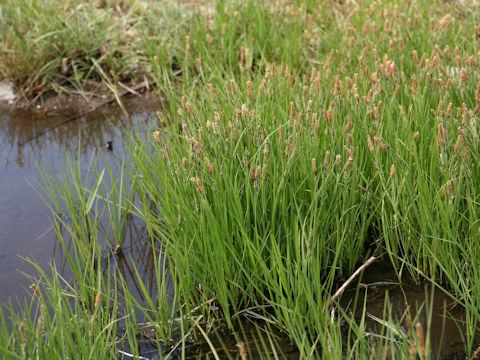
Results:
93 194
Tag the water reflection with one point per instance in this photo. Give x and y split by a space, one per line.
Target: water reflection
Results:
388 299
67 124
135 253
46 135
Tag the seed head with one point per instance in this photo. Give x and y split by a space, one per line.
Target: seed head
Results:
185 130
265 149
249 89
362 188
329 116
350 138
456 148
167 150
463 75
462 134
421 338
392 171
299 117
208 164
447 188
477 94
312 75
439 109
442 132
309 106
264 86
212 91
366 70
198 184
326 160
98 298
242 54
288 148
349 151
349 162
449 110
187 46
380 143
36 291
161 116
157 135
464 114
397 89
422 61
245 112
255 172
349 125
415 55
447 84
292 109
370 144
21 328
314 120
314 165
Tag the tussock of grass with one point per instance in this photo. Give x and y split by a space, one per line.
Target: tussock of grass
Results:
301 139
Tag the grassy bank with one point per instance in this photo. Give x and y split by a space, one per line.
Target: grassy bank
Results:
300 140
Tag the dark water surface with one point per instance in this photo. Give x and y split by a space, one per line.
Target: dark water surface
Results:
48 132
386 298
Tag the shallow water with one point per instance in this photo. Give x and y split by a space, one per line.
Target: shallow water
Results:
386 298
47 132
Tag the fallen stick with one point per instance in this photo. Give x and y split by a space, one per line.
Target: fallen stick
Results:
475 353
350 279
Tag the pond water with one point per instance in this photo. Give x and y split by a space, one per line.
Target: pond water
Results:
385 298
47 132
28 136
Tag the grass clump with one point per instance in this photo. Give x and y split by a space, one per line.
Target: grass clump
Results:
300 140
278 179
